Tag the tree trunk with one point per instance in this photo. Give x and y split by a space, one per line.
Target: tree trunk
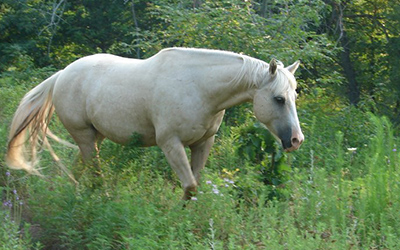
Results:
137 29
336 28
348 69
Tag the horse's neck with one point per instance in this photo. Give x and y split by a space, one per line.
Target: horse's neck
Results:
232 96
240 87
222 76
226 94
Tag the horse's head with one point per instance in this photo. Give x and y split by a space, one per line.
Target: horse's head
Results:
274 105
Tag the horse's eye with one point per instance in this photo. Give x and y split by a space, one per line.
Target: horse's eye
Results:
280 100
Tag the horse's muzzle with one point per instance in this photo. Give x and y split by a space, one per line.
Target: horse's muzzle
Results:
294 143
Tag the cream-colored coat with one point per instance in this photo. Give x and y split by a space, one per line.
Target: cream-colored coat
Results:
174 99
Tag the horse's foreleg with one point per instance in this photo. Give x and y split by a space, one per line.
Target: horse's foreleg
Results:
177 158
200 153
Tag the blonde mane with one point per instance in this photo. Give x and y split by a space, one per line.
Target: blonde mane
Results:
255 73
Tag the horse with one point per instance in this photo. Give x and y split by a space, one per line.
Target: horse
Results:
175 99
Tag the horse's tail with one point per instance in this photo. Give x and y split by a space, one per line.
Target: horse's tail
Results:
29 126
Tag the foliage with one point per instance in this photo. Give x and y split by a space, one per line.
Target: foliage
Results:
258 147
283 33
12 238
14 233
368 33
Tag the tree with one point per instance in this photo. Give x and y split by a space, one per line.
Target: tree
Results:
366 31
18 31
58 32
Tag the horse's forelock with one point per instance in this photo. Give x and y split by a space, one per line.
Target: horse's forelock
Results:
254 73
283 81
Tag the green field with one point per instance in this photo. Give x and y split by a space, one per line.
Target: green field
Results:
339 191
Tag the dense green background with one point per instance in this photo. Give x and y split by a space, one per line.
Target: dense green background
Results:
339 191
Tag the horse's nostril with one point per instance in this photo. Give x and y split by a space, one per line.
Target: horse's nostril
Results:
296 140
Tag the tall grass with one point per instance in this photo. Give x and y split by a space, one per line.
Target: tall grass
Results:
341 192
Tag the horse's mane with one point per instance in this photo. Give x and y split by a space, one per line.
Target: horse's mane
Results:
255 73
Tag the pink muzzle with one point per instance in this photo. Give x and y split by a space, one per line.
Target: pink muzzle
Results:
296 140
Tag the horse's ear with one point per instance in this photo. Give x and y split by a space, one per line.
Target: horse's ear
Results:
273 65
292 68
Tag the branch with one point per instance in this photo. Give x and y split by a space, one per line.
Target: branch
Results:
375 19
363 15
137 28
54 21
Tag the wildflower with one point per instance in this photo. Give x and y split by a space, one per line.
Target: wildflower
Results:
215 191
229 181
394 150
15 191
208 182
7 204
193 198
352 149
8 173
226 185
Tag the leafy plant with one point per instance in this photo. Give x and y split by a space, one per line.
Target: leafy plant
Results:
257 145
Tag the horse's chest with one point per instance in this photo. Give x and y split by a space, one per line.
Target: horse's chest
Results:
202 130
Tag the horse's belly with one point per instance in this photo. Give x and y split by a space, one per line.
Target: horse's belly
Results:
122 125
191 133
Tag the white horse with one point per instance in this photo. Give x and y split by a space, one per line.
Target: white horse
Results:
174 99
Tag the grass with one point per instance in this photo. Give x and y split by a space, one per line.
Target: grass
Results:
341 192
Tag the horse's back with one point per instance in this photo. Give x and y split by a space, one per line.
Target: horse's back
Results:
106 92
165 93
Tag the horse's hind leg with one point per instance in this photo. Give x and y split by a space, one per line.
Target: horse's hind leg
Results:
88 140
200 153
